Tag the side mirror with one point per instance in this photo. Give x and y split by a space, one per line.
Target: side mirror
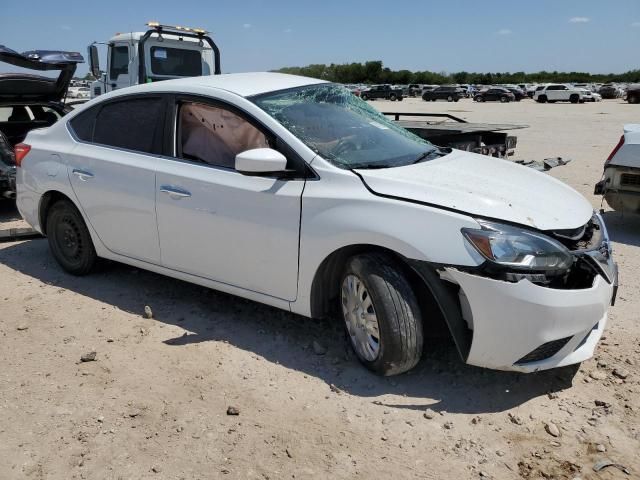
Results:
94 61
260 161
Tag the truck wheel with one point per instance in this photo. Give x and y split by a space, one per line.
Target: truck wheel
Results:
69 239
393 97
542 99
574 98
364 96
449 98
381 314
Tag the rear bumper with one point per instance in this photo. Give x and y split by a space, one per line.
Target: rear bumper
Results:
514 323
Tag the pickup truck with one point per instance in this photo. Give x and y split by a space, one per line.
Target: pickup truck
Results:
556 92
382 91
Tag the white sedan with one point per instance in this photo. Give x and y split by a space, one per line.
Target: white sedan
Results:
293 192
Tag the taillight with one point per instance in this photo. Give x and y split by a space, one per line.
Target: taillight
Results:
21 151
615 150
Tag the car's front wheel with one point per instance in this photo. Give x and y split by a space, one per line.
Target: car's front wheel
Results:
381 314
69 239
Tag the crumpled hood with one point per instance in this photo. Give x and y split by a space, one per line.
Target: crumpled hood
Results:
486 187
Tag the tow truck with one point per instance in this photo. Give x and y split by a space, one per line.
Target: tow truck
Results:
163 52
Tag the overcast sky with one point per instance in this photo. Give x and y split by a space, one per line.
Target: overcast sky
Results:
492 35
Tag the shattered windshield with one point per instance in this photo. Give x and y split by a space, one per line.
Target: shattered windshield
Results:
344 129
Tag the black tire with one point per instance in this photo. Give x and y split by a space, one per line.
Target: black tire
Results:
393 97
364 96
396 308
633 98
449 98
400 99
456 99
479 98
574 98
542 99
504 99
69 239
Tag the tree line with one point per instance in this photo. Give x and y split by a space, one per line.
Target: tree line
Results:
375 72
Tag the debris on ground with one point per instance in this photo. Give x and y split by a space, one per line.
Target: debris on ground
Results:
88 357
602 464
231 410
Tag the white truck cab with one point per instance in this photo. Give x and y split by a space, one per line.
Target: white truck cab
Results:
161 53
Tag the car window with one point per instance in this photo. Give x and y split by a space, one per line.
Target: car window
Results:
83 123
215 135
132 124
176 62
119 62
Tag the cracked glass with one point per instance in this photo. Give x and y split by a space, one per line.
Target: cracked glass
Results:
343 128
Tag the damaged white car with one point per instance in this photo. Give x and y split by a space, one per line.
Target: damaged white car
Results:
295 193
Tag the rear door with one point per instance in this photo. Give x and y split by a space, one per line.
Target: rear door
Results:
217 223
112 172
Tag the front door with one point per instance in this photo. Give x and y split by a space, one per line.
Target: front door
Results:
119 71
215 222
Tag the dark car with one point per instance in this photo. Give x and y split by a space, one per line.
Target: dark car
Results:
30 101
633 93
495 94
382 91
518 93
608 90
450 94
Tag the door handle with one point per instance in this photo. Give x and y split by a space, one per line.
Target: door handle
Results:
174 192
82 174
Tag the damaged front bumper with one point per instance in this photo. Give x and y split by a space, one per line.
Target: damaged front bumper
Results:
526 326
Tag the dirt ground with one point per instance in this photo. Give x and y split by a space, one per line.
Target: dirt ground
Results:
154 402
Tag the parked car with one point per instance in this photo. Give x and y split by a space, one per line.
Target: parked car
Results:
620 184
79 92
633 93
382 91
517 93
589 96
448 93
293 192
29 101
556 92
495 94
609 91
414 89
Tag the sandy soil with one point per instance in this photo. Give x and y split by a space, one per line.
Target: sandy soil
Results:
154 403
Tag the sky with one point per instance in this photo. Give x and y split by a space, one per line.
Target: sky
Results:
596 36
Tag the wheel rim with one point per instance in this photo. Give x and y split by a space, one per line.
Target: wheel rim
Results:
68 238
360 318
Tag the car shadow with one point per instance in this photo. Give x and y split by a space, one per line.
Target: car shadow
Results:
623 227
441 381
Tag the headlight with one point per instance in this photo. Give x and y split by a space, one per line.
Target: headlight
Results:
518 248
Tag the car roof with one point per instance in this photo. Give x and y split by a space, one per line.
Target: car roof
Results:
243 84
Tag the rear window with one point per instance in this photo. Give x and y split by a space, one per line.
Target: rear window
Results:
131 124
176 62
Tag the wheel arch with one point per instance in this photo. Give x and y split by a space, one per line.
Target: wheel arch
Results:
46 202
325 287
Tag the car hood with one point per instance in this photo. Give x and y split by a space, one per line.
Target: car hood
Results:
485 187
20 86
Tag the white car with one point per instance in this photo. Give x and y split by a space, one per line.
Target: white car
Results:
557 92
293 192
620 184
589 96
78 92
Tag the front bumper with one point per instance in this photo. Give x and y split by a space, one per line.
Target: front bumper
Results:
512 320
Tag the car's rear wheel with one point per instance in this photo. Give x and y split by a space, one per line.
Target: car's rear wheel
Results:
364 96
449 98
381 314
69 239
633 98
479 99
504 99
393 97
542 99
574 98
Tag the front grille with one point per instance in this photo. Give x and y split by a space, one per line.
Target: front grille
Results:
544 351
630 180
